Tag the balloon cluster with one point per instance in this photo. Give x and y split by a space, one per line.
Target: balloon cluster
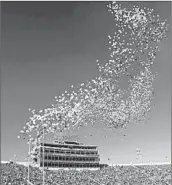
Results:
102 98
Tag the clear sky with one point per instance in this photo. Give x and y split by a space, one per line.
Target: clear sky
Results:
49 46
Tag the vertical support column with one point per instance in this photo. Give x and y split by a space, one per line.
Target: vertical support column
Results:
29 161
69 159
39 154
54 158
59 159
43 156
50 157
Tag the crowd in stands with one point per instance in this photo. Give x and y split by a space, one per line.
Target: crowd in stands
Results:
15 174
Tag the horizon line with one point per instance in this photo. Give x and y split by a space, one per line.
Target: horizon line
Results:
129 164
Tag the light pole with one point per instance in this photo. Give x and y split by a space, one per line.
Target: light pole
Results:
150 162
109 161
167 159
138 152
29 161
15 157
43 156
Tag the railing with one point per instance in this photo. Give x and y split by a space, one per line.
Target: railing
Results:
69 148
62 161
70 151
71 155
70 145
70 159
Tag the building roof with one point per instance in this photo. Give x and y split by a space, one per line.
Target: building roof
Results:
67 143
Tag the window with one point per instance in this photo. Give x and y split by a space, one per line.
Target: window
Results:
49 157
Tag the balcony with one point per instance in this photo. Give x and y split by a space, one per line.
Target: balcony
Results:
61 161
68 148
70 155
50 145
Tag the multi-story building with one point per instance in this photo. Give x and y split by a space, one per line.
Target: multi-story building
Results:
68 155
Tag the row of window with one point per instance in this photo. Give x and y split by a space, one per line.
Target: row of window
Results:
68 146
69 152
57 165
69 158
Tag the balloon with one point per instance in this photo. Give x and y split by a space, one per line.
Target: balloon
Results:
102 98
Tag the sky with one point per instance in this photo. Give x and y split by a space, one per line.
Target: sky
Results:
49 46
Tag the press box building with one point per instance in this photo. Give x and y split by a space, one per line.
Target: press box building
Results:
68 155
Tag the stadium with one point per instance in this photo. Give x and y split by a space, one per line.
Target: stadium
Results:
47 169
119 108
16 173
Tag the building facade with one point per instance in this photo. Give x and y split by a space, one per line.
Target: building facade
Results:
68 155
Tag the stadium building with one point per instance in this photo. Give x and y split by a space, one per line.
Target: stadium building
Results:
68 155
